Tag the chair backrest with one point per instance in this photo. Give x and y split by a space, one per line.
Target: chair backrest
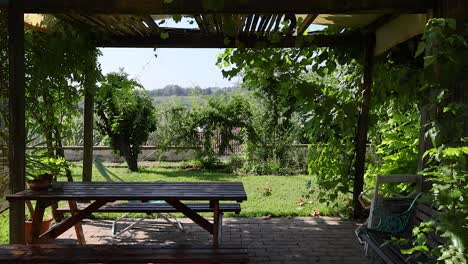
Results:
107 174
393 205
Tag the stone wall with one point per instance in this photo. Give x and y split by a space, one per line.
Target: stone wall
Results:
148 153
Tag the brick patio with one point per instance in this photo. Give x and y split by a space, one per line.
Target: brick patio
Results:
278 240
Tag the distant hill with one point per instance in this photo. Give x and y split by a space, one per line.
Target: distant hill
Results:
176 90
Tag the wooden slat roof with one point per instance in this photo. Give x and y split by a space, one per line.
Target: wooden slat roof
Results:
228 23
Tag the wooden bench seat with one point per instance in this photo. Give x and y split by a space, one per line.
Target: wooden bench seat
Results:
380 243
163 207
52 253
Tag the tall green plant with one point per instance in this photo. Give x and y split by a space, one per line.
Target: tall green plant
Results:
126 115
445 53
59 63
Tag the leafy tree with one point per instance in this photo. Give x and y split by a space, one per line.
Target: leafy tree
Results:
60 62
126 115
274 78
201 126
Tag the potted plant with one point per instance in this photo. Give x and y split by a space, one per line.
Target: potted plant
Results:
45 225
39 182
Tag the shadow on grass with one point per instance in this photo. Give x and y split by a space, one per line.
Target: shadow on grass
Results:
200 175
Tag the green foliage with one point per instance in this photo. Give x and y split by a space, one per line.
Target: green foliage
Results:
278 113
396 138
126 115
200 126
59 62
446 52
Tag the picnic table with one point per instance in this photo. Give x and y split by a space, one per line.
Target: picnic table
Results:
102 193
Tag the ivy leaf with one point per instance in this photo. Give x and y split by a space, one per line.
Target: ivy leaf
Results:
164 35
452 23
177 18
421 49
227 41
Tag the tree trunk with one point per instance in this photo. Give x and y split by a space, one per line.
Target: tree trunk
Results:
88 134
130 158
132 162
61 153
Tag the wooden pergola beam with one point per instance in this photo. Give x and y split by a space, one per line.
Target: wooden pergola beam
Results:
363 125
17 134
228 6
203 41
306 23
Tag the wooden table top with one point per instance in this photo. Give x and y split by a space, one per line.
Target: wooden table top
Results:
231 191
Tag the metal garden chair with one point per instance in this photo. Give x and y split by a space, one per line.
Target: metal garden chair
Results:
109 176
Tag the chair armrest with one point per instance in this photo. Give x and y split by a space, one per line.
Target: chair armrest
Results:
365 204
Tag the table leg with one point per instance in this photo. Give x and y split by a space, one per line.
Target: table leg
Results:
60 228
78 227
198 219
37 218
216 218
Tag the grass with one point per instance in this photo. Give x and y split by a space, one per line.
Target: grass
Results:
278 196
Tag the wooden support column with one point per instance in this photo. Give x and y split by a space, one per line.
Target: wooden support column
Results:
88 125
363 123
17 135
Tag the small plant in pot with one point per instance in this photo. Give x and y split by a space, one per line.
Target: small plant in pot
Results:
39 182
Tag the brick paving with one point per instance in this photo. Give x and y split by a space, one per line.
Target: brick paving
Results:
277 240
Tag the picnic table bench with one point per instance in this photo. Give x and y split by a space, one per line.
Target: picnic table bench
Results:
53 253
104 193
148 208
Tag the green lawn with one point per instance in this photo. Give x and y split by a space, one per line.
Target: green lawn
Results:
278 196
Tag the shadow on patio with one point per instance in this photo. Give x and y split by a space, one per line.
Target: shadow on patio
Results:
278 240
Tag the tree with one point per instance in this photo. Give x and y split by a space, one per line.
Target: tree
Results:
59 62
125 114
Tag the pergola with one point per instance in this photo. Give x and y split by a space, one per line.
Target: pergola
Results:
375 26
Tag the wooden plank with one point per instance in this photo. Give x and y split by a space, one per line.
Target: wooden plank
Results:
271 24
200 23
137 191
363 124
16 128
178 40
233 6
253 27
202 222
149 207
306 23
216 222
54 253
399 30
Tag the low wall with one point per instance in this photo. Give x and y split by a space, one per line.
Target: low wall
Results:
148 153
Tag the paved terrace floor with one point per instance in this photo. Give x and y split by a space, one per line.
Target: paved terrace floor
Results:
277 240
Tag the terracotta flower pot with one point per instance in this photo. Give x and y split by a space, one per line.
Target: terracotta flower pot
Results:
38 185
45 226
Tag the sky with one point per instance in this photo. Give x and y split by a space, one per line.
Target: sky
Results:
184 67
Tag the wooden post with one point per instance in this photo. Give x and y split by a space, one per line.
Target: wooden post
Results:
17 135
363 123
88 133
216 215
